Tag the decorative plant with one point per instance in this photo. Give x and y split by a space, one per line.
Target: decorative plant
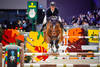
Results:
11 36
74 42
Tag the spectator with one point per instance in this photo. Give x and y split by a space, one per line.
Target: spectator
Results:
24 25
91 18
19 23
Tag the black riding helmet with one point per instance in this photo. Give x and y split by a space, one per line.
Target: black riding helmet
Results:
52 3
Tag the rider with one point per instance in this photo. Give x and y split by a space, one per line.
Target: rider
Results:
52 11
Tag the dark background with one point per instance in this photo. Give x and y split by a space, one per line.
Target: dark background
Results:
67 8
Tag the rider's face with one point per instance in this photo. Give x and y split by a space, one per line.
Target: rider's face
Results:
52 8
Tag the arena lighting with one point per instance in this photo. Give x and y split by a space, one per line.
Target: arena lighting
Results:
40 6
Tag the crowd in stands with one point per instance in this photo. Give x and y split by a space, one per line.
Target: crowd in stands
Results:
91 18
24 24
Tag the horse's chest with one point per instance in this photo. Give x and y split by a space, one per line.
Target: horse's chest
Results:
54 32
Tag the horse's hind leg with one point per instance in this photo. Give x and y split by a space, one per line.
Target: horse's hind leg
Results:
57 46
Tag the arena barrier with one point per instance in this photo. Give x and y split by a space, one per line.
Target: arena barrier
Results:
22 64
62 65
68 54
4 58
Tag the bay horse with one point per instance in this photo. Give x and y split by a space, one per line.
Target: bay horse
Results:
53 34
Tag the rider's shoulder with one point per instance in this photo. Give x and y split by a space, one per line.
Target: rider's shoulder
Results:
48 9
57 8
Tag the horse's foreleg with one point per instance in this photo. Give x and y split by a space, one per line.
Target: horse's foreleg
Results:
51 46
57 46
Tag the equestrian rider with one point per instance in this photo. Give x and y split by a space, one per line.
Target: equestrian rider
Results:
52 11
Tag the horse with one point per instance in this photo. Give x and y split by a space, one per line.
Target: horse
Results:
53 34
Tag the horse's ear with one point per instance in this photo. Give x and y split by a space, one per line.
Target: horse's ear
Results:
59 21
49 21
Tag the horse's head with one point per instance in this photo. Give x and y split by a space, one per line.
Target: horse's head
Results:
53 29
